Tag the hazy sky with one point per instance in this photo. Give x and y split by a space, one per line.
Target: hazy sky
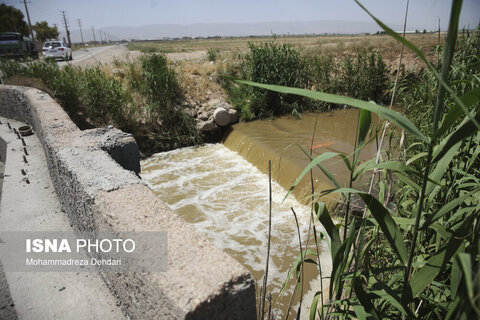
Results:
105 13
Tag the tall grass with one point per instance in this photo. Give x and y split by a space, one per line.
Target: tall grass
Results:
279 64
159 85
415 255
362 75
102 96
145 102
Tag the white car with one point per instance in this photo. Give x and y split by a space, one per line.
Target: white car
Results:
57 49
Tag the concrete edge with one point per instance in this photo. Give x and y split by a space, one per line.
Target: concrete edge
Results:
97 193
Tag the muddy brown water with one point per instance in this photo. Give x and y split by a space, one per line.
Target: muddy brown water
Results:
222 189
283 139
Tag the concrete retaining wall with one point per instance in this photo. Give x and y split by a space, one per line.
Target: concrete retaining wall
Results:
103 194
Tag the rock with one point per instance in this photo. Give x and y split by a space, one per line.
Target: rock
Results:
221 116
234 116
208 125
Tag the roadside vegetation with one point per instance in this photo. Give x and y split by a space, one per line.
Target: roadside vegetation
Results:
413 251
144 100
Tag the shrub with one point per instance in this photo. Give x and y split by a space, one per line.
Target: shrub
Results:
212 54
324 73
271 63
66 88
145 105
418 90
159 85
103 96
240 97
133 75
279 64
362 76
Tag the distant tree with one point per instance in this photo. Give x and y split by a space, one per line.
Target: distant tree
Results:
44 31
424 30
11 20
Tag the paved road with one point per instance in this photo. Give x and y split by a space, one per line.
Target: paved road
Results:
84 54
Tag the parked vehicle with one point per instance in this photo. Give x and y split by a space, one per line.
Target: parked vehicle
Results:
14 45
57 49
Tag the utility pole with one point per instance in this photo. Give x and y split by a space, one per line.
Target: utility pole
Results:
438 53
438 57
66 29
439 31
93 33
101 39
28 17
81 33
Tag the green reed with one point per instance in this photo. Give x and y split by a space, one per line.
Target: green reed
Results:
415 254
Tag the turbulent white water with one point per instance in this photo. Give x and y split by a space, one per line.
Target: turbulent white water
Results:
226 199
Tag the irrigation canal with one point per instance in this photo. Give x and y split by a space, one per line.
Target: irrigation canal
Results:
222 189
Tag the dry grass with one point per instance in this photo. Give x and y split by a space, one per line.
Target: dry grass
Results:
199 80
307 44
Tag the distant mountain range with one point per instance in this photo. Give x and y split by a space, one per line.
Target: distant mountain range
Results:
161 31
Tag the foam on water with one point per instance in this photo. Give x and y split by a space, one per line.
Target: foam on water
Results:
226 199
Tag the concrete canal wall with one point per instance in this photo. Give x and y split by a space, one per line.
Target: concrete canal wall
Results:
94 175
